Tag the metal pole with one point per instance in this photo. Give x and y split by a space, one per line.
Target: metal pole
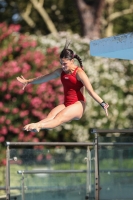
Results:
23 196
7 173
96 169
88 177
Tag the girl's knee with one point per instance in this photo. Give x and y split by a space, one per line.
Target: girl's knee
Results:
78 118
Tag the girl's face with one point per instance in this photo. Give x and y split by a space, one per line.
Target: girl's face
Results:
66 64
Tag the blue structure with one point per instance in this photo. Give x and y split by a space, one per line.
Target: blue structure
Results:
120 46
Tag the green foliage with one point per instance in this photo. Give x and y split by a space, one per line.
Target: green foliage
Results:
64 14
113 81
124 23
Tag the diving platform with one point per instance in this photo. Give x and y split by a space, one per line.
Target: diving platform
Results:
120 47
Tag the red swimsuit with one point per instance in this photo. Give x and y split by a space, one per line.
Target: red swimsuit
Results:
72 88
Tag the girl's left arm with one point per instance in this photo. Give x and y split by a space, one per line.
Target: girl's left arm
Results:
81 75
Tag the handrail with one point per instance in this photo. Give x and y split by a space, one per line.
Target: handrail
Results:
49 143
94 130
49 171
69 144
31 187
115 144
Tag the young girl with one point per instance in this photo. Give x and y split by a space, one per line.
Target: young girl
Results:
74 80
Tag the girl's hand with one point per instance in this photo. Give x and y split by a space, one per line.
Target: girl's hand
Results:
35 127
105 107
23 81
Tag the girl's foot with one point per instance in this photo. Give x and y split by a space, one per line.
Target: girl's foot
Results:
35 127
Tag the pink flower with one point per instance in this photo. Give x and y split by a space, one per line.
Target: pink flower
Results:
29 89
4 130
26 121
15 28
36 102
2 25
55 63
8 121
15 110
3 53
25 44
7 96
14 67
20 136
4 86
15 130
24 113
25 67
11 128
39 157
2 119
6 110
23 105
37 113
2 139
49 50
37 61
33 44
17 48
35 140
4 162
9 50
48 156
1 104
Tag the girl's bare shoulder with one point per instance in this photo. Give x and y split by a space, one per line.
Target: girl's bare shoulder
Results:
80 73
80 70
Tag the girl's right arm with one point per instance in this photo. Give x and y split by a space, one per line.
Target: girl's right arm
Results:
40 79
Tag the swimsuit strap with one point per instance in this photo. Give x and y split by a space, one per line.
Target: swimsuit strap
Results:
74 73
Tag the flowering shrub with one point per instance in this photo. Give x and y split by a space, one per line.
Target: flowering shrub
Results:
19 56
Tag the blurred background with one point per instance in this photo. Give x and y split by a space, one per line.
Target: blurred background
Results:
32 34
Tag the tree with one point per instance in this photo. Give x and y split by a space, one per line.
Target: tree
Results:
38 5
89 18
39 16
90 13
117 17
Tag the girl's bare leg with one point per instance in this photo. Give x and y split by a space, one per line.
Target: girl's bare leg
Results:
53 113
74 111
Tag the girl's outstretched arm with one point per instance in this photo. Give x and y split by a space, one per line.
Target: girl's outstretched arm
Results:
81 75
40 79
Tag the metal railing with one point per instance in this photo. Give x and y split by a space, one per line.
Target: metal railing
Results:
14 144
96 144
